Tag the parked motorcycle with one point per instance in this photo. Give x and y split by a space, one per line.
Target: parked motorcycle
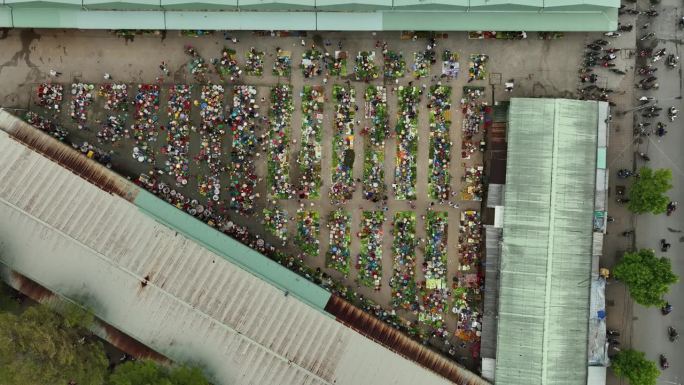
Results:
612 332
671 207
663 362
625 28
666 309
601 42
644 157
647 36
647 70
672 61
672 113
624 173
672 334
618 71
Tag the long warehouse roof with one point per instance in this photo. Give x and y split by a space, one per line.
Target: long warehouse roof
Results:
182 288
547 242
324 15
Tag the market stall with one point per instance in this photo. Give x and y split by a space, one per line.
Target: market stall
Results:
374 187
407 143
343 186
309 159
339 225
278 165
439 107
369 262
402 282
308 230
243 151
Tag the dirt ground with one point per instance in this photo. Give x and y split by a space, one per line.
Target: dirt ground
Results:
540 68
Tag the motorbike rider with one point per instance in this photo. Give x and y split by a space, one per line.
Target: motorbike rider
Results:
663 362
672 333
664 245
666 309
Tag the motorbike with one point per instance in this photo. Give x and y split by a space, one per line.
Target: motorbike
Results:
663 362
585 70
647 36
613 333
664 245
624 173
672 113
644 157
681 23
622 201
650 115
651 13
618 71
646 99
613 341
589 78
612 34
594 47
647 70
672 61
660 132
647 86
610 56
672 334
625 28
607 64
666 309
627 233
645 53
601 42
671 207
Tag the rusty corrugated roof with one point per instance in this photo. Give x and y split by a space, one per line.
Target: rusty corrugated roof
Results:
84 243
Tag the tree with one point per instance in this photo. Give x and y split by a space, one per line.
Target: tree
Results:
647 276
647 194
634 366
149 372
39 347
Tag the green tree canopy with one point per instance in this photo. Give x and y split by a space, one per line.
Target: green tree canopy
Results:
647 194
39 347
634 366
148 372
647 277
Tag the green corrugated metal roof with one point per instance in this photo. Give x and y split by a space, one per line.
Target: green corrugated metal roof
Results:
233 251
241 20
75 18
44 3
427 5
188 5
277 5
361 15
353 6
5 17
122 5
547 241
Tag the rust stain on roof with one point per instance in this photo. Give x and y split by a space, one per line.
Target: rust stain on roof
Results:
399 343
120 340
65 156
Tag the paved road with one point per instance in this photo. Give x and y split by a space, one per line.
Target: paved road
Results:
645 329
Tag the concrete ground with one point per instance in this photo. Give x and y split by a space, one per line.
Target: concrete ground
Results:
645 329
541 68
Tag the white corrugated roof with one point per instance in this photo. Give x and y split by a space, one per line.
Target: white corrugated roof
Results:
96 248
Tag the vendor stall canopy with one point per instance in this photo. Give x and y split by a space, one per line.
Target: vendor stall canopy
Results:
324 15
545 265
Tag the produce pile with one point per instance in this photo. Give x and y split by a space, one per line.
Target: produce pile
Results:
227 65
311 63
309 159
178 133
394 65
473 108
243 126
280 115
254 65
365 68
342 186
370 260
439 106
283 63
308 229
374 188
407 143
50 96
212 130
145 127
402 282
337 257
81 99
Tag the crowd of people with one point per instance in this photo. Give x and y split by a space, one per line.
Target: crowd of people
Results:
178 133
339 225
407 143
473 109
308 230
46 125
369 262
403 282
469 280
81 99
311 63
50 96
477 67
309 159
212 130
394 64
434 290
364 67
430 299
280 116
243 152
439 106
146 117
473 183
114 126
374 187
343 185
